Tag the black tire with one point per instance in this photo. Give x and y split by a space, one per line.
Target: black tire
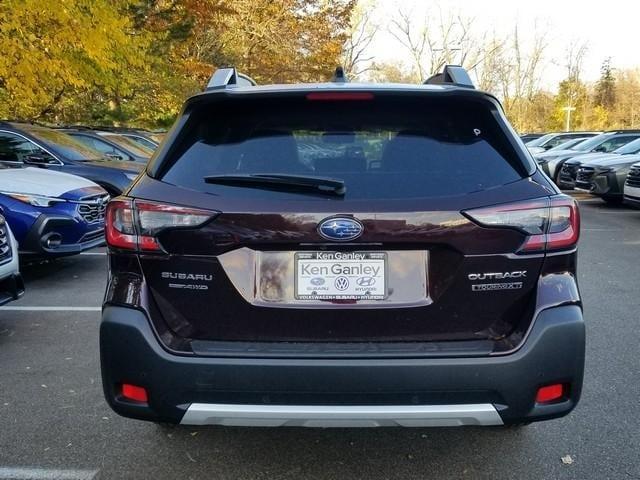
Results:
556 179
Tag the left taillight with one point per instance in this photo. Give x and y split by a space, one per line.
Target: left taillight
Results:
550 223
135 224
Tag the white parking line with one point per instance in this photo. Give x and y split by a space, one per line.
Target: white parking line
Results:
11 473
50 309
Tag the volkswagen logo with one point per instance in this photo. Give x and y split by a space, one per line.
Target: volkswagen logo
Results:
341 229
341 283
366 281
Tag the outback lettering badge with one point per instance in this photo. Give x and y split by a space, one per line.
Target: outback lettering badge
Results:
498 275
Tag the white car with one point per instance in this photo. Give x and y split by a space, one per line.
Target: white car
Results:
632 186
11 284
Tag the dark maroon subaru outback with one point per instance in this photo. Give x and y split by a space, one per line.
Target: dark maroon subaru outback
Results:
342 255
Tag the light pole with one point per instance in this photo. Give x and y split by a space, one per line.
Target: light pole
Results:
568 111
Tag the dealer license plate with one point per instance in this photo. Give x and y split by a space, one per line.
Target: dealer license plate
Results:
340 275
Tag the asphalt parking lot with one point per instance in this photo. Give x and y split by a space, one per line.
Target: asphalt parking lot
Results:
54 422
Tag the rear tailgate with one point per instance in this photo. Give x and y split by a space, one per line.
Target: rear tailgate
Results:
411 166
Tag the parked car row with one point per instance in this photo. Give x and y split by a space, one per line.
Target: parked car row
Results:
55 183
599 164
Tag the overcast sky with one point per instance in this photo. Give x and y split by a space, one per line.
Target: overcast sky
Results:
610 28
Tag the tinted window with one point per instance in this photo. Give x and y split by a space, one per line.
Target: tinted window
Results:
96 144
381 150
68 146
142 141
130 145
568 144
541 140
556 141
592 143
630 148
615 143
13 148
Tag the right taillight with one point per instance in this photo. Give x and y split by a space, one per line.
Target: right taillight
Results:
135 224
550 223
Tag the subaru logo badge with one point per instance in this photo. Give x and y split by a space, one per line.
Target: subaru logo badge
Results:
341 229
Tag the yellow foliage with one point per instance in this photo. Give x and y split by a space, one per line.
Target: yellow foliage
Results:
55 47
133 60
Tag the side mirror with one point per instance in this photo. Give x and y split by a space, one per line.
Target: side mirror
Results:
39 160
113 156
600 149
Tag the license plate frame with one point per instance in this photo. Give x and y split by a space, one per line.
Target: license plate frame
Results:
363 281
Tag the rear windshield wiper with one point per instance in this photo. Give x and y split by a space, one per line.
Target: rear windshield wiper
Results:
296 183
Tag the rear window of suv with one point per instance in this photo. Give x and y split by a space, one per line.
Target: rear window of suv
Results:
393 148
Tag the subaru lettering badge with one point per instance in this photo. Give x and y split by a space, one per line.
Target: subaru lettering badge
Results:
340 229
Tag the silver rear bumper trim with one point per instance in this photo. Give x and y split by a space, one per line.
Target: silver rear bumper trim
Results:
341 416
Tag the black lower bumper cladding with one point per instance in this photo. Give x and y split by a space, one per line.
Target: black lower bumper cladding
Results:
11 288
552 353
46 227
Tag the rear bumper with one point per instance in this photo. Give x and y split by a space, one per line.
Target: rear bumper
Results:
485 390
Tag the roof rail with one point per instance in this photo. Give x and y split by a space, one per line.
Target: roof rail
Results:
228 77
451 75
339 76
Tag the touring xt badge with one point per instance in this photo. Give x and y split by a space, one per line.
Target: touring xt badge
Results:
486 287
186 279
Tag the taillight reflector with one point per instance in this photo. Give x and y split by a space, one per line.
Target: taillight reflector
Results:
550 393
135 393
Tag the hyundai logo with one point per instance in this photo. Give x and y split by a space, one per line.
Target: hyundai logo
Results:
340 229
366 281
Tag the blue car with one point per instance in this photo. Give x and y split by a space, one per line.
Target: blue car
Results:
49 149
52 214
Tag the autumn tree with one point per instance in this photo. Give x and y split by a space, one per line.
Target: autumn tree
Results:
572 100
605 94
54 49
